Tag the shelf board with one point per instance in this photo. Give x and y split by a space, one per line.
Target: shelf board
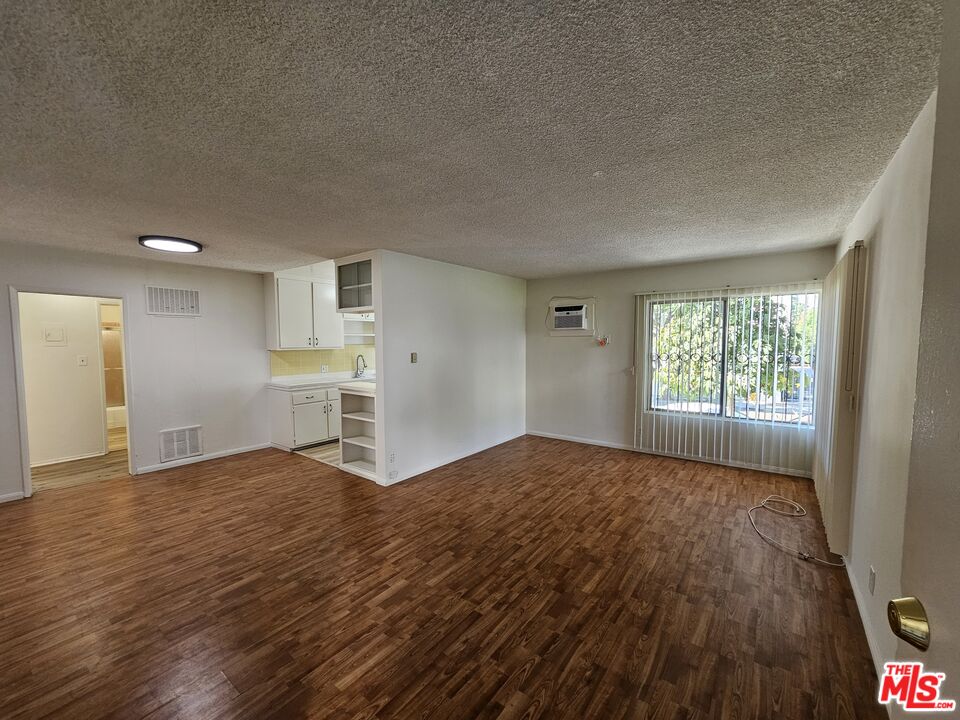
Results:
362 416
358 285
361 440
363 467
350 334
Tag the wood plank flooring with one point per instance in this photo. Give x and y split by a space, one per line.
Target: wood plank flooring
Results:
327 453
81 472
538 579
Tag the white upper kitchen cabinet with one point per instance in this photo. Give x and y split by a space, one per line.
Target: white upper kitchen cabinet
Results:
301 309
355 283
294 313
327 322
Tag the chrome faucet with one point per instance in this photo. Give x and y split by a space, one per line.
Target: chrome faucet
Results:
361 366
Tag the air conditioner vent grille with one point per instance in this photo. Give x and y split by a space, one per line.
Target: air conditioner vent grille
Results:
568 321
173 301
180 443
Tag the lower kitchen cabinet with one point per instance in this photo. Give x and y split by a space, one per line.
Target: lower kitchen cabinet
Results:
310 423
333 418
304 417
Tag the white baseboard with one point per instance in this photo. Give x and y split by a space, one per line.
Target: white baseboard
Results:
199 458
581 440
84 456
620 446
446 461
865 622
10 497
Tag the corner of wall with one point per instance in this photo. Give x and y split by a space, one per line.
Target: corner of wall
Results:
868 628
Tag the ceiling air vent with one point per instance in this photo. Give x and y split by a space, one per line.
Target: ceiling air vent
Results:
171 301
180 443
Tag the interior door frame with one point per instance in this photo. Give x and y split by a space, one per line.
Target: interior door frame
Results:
26 475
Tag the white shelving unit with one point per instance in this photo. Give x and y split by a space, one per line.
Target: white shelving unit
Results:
359 328
361 416
358 429
362 440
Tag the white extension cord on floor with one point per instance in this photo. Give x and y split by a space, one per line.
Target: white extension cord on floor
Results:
796 510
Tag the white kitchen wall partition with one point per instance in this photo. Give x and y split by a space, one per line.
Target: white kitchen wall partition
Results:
728 375
839 377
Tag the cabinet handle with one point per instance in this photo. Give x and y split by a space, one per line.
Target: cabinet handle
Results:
308 397
316 342
309 342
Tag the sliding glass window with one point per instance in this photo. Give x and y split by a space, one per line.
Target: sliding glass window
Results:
747 356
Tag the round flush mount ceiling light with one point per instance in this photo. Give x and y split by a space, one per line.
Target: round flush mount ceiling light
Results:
166 243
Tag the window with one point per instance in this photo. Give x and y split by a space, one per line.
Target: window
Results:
740 355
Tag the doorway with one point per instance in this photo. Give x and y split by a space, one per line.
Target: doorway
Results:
74 389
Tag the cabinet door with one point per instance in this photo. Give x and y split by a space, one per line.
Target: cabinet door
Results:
327 322
310 423
295 308
333 418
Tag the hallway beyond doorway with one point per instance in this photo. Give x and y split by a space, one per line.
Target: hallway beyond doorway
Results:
80 472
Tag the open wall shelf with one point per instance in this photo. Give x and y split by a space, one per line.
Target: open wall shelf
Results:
358 432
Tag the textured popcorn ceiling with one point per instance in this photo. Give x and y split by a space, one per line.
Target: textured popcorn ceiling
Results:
529 138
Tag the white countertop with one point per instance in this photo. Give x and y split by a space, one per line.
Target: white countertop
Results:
360 386
317 380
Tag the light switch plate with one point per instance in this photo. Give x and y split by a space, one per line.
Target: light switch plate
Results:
54 335
413 357
324 368
82 361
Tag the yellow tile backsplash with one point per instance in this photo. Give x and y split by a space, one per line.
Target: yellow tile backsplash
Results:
304 362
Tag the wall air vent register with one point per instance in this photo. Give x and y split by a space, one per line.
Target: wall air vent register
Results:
173 301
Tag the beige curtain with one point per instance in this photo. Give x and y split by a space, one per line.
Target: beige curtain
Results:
838 380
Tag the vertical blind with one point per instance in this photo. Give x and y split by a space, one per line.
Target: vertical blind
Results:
729 375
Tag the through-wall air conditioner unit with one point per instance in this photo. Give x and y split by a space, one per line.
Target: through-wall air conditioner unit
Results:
571 318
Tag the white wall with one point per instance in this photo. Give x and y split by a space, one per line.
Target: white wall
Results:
466 392
65 409
931 561
210 371
577 390
892 223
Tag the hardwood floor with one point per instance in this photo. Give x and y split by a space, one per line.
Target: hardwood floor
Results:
537 579
116 439
327 453
81 472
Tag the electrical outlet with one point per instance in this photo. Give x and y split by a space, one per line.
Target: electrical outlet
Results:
324 368
393 475
872 583
392 459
